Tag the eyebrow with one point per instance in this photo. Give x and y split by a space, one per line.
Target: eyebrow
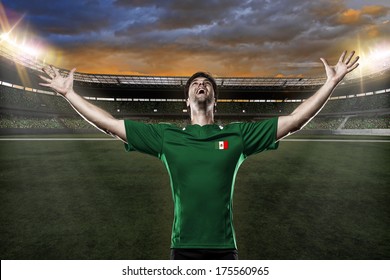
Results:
197 79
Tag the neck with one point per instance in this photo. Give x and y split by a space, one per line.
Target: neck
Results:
202 117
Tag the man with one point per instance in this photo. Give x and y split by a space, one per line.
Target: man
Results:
202 159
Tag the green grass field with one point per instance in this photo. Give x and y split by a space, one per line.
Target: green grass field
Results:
92 200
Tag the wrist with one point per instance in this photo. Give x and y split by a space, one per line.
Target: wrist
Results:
332 82
69 93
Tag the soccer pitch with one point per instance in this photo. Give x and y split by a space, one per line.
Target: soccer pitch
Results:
67 198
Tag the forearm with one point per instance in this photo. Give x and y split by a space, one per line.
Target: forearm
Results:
313 105
306 111
99 118
96 116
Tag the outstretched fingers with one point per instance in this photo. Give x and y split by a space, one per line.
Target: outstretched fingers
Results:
349 57
324 61
349 62
49 70
55 70
354 66
44 85
45 79
353 62
341 59
72 72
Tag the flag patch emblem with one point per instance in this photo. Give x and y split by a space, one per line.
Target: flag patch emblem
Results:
221 145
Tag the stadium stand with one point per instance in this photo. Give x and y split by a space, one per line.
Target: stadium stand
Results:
27 109
379 122
359 103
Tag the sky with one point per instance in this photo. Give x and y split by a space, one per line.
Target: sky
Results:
264 38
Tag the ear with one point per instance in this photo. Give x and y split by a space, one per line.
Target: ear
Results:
187 102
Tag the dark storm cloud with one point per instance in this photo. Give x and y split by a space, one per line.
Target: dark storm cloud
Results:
176 14
213 24
232 37
205 23
63 17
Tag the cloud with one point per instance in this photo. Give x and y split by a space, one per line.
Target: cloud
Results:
366 15
66 18
350 16
231 37
176 14
375 11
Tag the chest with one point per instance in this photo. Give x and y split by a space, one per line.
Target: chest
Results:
202 149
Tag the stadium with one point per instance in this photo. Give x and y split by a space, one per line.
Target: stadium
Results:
68 192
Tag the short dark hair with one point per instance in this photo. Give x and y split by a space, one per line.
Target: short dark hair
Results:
204 75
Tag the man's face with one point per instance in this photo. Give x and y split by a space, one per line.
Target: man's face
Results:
200 91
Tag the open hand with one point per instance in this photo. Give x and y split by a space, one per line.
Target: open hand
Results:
343 66
58 83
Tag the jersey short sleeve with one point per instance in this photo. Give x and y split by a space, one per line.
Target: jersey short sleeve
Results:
144 138
259 136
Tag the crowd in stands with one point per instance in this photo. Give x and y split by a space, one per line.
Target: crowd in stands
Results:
75 123
379 122
325 123
318 123
363 103
11 121
14 98
55 112
256 107
17 98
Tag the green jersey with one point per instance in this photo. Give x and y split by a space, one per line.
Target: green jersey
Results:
202 162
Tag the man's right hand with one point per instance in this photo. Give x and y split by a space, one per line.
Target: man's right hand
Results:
60 84
96 116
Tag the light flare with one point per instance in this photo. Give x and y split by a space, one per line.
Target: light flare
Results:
380 53
20 49
24 47
372 60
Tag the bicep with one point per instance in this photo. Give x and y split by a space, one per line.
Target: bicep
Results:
117 127
286 125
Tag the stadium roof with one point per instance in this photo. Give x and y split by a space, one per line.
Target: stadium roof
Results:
136 86
37 65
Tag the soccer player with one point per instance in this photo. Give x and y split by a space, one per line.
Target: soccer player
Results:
203 158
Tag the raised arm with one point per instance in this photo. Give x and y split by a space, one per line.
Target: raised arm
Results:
99 118
313 105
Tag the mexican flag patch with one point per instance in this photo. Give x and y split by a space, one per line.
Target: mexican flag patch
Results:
221 145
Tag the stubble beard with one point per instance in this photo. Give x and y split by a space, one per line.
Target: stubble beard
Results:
203 102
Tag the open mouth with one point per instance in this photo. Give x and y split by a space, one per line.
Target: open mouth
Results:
201 91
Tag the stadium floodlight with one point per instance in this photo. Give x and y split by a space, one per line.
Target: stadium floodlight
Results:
23 48
375 60
380 54
4 36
